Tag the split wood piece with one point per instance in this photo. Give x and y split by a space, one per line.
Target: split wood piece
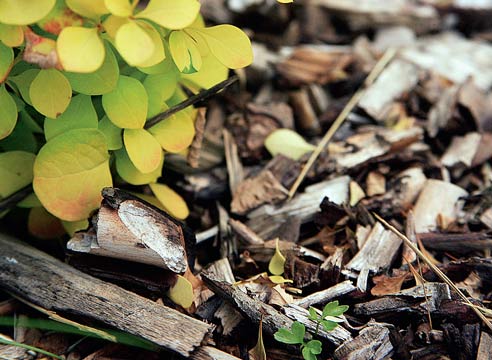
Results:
408 255
457 242
373 342
325 296
306 117
467 151
211 353
245 233
377 253
438 199
399 78
336 337
413 300
56 286
130 229
272 319
268 218
194 152
234 167
485 347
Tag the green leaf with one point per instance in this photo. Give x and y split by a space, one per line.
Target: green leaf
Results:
76 164
277 262
171 14
229 44
50 93
11 35
6 61
175 133
313 315
80 114
23 82
80 49
171 201
314 346
307 354
329 325
130 173
100 82
333 309
112 133
293 336
143 149
8 113
185 53
16 171
211 73
126 106
22 138
288 143
134 44
24 12
159 87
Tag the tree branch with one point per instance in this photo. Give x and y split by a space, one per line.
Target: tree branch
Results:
12 200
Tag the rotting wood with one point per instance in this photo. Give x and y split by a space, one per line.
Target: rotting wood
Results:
130 229
373 342
326 295
457 242
195 150
245 233
235 169
56 286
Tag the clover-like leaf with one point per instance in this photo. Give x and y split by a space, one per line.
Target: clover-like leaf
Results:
314 346
313 315
171 14
293 336
76 164
24 12
50 93
333 309
329 325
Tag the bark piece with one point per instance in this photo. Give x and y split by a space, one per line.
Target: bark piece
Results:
211 353
485 347
130 229
377 253
375 183
307 121
373 342
54 285
234 167
437 198
245 233
442 111
194 152
325 296
457 242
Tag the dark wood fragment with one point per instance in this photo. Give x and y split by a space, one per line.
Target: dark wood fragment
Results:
457 242
485 347
373 342
466 339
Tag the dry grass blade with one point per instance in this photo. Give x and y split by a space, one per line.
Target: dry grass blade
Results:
378 68
436 270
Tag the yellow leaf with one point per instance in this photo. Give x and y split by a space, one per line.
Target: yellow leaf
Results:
171 14
88 8
113 23
277 279
130 173
229 44
121 8
185 52
134 44
8 113
126 106
24 12
288 143
80 49
211 73
76 164
159 54
277 262
71 227
285 1
6 61
112 133
143 149
172 202
181 292
175 133
50 93
11 35
15 171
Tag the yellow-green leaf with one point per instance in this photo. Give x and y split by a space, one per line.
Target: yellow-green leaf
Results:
134 44
143 149
71 227
130 173
175 133
159 87
24 12
23 82
6 61
30 200
126 106
11 35
211 73
277 279
171 14
185 52
229 44
112 133
100 82
164 67
89 8
121 8
277 262
172 202
112 23
287 142
80 114
16 171
50 93
70 171
80 49
159 54
285 1
181 292
8 113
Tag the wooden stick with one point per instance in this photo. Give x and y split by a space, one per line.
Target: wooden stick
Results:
12 200
56 286
378 68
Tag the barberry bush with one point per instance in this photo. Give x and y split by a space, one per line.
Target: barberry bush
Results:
79 80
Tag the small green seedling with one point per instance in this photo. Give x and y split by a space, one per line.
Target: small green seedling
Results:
329 318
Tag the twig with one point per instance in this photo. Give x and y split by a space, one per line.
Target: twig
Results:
12 200
434 268
203 95
378 68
